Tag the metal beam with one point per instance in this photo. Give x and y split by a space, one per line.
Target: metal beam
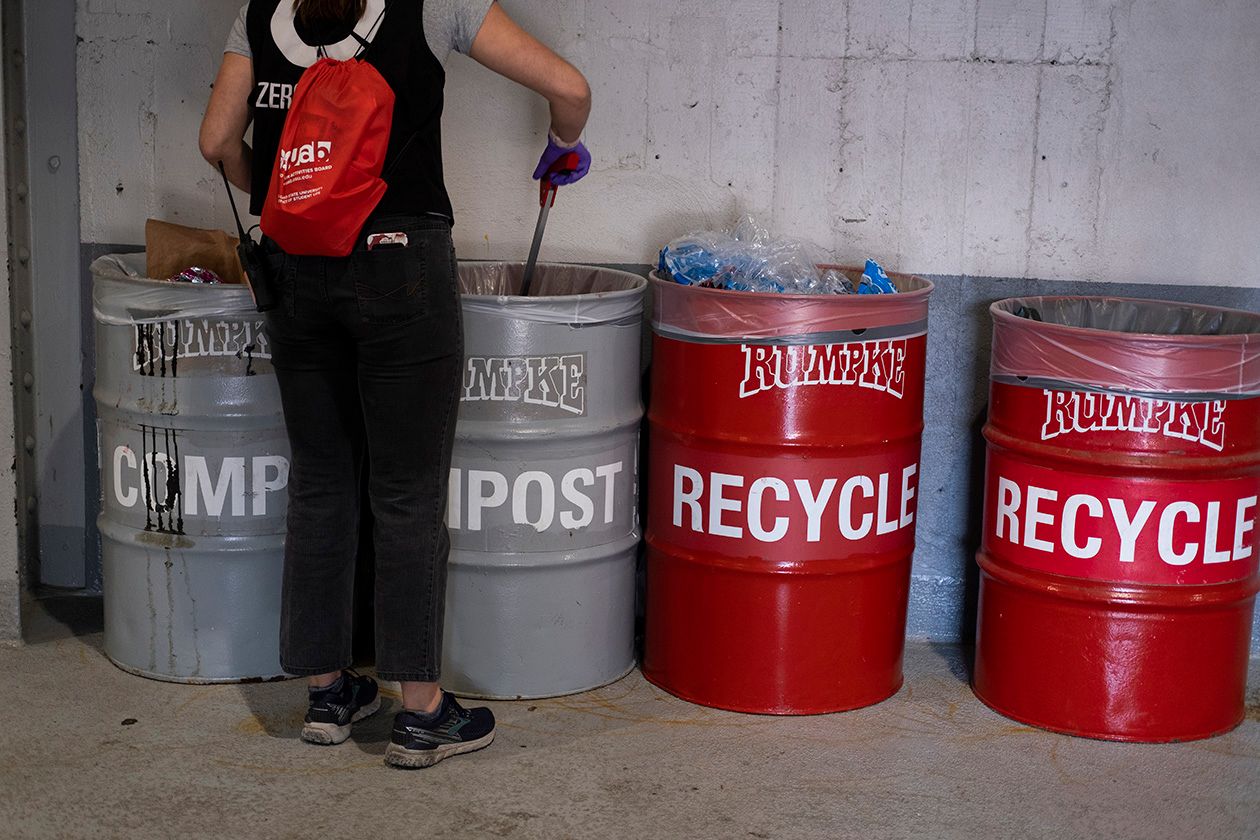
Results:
42 148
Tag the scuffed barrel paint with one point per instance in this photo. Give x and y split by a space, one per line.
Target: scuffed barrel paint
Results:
194 467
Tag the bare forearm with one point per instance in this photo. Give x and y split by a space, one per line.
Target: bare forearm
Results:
510 51
227 117
239 165
569 114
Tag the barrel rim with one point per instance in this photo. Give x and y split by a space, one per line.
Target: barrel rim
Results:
1001 312
865 301
699 315
196 288
120 298
980 688
163 676
637 288
465 691
109 267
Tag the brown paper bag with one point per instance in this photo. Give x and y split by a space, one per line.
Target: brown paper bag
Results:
171 248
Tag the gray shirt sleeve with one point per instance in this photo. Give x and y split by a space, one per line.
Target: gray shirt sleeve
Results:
238 41
453 24
448 25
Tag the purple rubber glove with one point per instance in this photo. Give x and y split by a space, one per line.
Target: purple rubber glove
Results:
556 150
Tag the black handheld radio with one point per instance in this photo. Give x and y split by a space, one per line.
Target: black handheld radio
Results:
253 261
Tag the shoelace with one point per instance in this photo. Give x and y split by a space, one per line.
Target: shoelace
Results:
456 712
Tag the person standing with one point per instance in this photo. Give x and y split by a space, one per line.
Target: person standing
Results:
368 348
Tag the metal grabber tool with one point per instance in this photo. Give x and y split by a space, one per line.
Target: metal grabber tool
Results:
546 198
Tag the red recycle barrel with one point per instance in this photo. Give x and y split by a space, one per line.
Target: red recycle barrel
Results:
1119 558
782 490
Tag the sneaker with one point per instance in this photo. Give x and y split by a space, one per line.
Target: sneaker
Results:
332 710
419 741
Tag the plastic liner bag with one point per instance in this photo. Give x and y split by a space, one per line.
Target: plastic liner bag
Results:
560 293
749 259
122 295
1137 346
704 314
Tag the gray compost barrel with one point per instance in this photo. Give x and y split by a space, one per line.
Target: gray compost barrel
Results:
543 509
194 463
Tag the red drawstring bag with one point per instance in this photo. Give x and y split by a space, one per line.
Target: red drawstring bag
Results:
327 176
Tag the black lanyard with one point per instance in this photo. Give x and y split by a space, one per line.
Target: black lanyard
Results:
364 43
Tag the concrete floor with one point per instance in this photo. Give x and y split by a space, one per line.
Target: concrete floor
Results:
627 760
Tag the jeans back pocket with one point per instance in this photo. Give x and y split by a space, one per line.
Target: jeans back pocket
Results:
390 283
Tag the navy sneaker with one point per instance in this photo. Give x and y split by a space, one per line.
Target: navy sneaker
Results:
333 709
422 740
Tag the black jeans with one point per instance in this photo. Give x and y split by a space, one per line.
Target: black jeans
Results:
368 351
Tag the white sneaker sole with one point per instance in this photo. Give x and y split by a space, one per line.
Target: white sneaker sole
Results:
403 757
329 734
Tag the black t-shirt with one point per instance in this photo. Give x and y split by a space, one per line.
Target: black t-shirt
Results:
413 161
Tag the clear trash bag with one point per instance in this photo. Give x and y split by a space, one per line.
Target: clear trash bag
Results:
748 258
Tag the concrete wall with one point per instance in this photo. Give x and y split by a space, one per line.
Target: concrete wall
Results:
1074 139
1003 146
